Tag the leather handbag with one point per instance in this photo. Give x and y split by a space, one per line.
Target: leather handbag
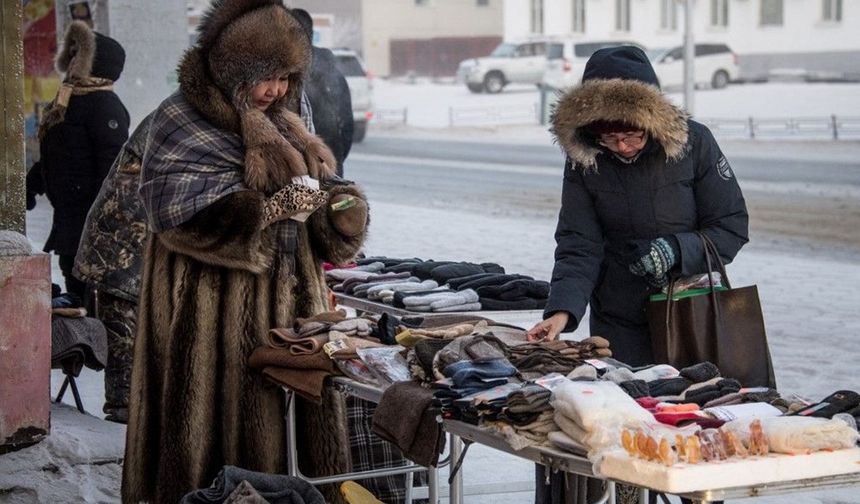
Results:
723 326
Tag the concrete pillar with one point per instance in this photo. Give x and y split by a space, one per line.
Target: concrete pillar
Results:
12 113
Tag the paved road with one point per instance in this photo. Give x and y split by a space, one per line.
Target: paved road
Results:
817 203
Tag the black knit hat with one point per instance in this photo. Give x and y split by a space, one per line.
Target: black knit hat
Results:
109 58
624 62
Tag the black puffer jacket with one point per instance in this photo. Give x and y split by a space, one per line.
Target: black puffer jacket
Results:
328 94
680 184
76 154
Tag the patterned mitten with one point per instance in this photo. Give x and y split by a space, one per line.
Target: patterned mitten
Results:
291 200
655 262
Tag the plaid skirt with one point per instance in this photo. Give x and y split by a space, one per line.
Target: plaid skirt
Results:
369 451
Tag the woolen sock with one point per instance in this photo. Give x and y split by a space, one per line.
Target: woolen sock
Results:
669 386
456 270
635 388
459 308
701 372
459 298
519 304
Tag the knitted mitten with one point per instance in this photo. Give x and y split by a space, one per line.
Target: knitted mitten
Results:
290 200
656 261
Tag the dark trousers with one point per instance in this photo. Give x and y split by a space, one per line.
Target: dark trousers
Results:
73 285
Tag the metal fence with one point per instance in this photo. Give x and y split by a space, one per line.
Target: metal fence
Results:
494 116
391 116
825 127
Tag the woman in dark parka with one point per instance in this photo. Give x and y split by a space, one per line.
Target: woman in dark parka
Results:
641 179
80 135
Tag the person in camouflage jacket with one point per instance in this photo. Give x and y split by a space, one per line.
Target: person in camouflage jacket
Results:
109 260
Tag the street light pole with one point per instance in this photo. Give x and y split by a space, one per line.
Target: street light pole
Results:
689 55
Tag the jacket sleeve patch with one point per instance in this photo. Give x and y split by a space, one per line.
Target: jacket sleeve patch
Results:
724 169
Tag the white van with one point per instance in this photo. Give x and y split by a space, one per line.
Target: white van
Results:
565 60
715 65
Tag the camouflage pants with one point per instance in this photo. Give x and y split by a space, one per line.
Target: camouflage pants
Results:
119 317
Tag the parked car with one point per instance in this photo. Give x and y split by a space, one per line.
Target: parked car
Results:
715 65
565 60
510 62
360 89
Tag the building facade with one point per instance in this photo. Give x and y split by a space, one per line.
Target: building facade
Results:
818 36
426 37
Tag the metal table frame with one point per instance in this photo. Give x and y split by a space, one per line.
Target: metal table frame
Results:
368 393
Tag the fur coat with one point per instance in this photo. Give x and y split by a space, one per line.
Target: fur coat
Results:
214 284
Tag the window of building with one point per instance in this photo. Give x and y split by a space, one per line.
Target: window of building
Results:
719 13
831 10
578 23
482 3
422 3
537 16
668 15
622 15
771 12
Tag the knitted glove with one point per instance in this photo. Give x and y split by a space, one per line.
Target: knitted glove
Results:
291 200
652 260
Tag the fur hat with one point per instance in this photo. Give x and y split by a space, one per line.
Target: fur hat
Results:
619 86
247 41
240 43
86 53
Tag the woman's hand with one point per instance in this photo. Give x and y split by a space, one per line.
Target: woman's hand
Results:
550 328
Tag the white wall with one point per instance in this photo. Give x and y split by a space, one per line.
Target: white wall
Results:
802 31
154 34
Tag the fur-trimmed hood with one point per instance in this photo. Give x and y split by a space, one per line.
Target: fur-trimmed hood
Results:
86 53
615 94
242 42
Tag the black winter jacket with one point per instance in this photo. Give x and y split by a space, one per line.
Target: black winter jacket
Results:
76 155
328 94
680 184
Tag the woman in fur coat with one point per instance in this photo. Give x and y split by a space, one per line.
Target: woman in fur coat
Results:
224 261
640 181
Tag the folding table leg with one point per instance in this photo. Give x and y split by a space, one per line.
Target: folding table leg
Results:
455 493
433 485
62 389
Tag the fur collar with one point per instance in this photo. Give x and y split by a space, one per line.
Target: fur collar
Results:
633 102
277 144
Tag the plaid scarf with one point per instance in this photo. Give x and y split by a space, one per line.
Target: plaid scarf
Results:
190 164
55 112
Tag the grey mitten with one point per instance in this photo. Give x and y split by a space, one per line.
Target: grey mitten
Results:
291 200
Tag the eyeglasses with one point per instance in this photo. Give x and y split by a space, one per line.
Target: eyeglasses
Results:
628 139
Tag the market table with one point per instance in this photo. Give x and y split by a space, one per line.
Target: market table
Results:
579 464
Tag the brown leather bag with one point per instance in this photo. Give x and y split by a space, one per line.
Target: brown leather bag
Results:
725 327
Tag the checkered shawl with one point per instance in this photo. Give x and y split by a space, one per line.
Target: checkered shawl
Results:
189 164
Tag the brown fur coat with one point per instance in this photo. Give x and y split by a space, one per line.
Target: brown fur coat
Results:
213 286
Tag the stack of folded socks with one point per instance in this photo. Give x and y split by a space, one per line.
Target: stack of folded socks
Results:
451 301
561 356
